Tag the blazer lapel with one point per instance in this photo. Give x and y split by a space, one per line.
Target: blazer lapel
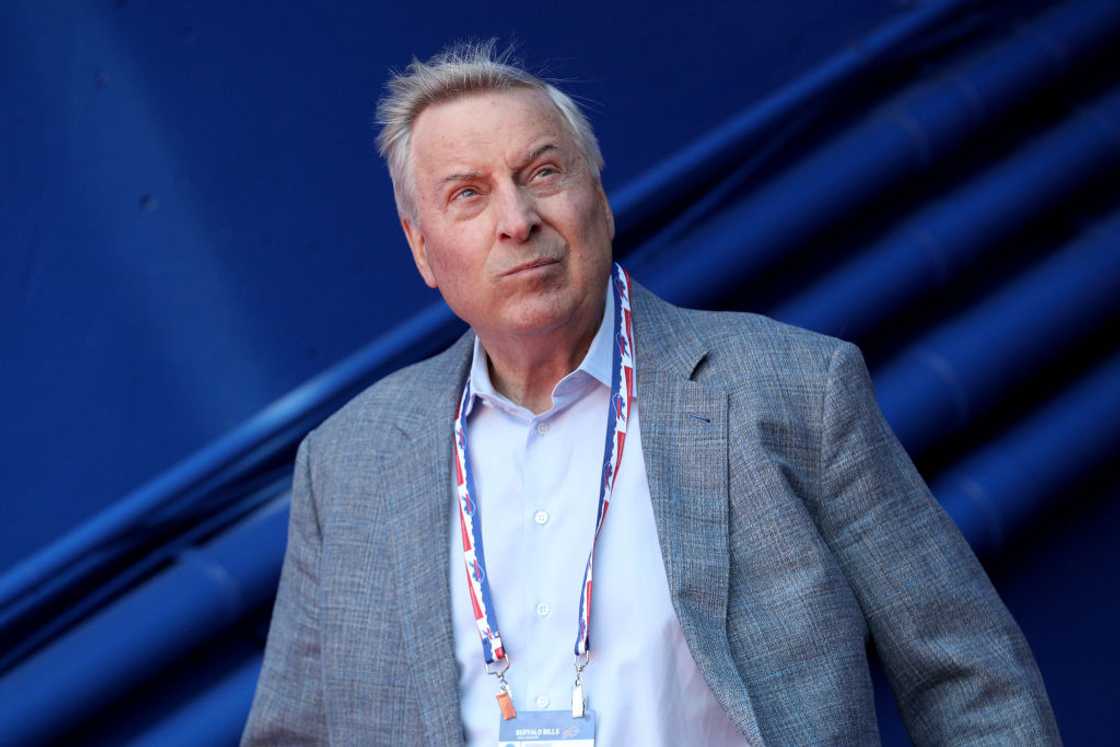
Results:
684 441
422 536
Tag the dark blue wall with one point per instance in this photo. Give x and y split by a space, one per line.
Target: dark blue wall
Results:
194 220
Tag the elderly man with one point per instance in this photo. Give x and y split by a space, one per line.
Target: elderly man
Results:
764 524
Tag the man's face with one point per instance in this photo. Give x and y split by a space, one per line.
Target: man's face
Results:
512 225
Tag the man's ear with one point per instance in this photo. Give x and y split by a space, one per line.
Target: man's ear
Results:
607 210
419 249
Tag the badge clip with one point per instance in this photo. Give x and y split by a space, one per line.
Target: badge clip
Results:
578 701
504 694
505 703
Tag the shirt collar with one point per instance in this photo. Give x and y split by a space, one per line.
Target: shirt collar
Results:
595 367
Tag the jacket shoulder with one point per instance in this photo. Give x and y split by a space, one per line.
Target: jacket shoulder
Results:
747 343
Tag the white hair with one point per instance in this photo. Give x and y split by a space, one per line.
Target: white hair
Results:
464 68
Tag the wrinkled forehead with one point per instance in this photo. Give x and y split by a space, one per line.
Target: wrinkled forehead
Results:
492 129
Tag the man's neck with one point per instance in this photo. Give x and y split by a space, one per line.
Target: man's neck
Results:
527 370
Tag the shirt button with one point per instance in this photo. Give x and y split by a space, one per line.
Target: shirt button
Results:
543 609
542 428
543 701
541 517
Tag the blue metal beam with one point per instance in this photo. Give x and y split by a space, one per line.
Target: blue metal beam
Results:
899 143
928 251
954 374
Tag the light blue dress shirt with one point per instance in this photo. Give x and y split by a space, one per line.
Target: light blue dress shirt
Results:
536 482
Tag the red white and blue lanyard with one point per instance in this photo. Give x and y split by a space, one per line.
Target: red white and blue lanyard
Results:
470 519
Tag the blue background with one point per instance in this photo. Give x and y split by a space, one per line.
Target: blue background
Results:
195 223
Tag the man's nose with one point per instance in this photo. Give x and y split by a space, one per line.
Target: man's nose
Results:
517 217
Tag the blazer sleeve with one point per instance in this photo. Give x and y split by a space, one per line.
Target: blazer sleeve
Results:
959 666
288 704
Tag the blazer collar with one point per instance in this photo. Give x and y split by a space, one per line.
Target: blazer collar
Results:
665 339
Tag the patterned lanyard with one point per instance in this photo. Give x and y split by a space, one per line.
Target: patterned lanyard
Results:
470 519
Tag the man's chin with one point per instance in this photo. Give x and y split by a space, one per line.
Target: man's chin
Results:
540 316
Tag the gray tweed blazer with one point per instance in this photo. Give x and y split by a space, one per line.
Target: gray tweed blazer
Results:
795 531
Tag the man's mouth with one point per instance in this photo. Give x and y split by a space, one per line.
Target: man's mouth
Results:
530 265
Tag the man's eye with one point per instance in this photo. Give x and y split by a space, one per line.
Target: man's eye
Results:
465 193
544 171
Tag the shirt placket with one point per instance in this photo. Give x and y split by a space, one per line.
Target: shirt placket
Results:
537 515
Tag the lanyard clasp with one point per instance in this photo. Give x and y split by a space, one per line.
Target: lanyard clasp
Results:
504 695
578 700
